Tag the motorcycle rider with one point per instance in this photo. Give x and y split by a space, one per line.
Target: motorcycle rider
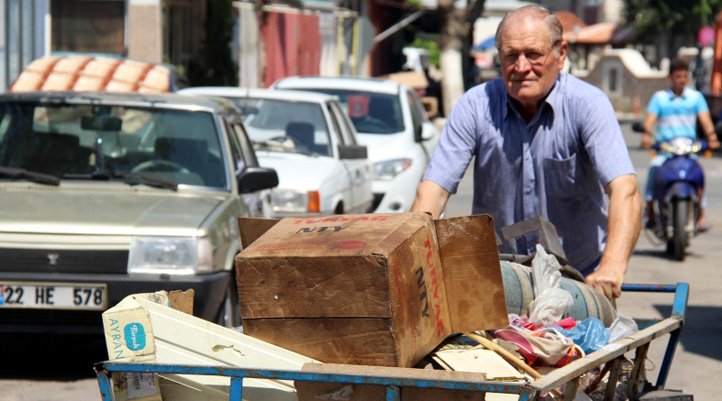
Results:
675 111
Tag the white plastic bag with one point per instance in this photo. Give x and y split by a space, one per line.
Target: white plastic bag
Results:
551 301
622 326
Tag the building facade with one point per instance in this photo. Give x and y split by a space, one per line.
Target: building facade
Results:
22 36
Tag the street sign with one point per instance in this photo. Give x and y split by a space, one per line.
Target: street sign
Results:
706 36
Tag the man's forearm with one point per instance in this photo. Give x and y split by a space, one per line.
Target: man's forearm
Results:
625 217
430 197
705 121
648 128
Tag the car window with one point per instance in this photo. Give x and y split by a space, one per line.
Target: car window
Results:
418 112
246 148
370 112
346 130
418 106
336 128
239 162
285 126
417 118
76 140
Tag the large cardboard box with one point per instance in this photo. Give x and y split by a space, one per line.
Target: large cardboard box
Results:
371 289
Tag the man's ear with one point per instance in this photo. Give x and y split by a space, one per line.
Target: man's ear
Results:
562 54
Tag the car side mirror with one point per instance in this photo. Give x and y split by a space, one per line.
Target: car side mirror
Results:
427 131
253 179
352 152
638 127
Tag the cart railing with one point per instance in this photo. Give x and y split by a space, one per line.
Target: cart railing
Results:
612 354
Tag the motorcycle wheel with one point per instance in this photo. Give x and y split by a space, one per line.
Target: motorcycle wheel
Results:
679 240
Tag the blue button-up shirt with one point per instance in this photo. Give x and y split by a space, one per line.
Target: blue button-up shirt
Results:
551 167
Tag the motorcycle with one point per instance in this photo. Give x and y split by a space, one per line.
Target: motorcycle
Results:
677 197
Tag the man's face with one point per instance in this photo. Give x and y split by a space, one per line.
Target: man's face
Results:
530 65
680 79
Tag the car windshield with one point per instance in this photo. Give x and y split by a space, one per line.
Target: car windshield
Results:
370 112
285 126
135 145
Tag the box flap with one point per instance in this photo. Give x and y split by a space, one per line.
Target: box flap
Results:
182 300
478 359
251 228
472 273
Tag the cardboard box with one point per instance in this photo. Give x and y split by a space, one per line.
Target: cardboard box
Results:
143 328
128 336
372 289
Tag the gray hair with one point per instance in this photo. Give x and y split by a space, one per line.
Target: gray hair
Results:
552 22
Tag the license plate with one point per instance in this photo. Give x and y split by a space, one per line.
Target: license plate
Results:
86 296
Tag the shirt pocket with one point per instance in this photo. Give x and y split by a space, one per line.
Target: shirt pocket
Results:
560 177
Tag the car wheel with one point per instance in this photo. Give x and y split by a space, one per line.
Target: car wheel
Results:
229 314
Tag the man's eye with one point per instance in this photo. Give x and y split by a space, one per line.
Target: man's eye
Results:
511 57
534 56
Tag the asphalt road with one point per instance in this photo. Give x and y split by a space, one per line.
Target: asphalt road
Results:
50 368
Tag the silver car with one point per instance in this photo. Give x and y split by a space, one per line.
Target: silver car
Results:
104 195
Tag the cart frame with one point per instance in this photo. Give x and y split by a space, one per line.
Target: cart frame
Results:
612 355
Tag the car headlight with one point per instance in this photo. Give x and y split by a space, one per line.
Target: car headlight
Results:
388 169
288 201
170 255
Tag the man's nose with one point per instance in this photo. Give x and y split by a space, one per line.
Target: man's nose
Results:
522 63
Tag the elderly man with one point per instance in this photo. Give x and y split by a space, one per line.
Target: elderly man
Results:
543 142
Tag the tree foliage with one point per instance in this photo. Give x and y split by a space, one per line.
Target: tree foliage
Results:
678 17
431 46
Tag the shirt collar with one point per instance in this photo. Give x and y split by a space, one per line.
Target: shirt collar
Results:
553 99
685 92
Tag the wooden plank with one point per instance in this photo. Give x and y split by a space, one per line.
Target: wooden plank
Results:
613 378
639 359
570 391
610 351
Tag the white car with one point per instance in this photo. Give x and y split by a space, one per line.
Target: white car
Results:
312 145
392 122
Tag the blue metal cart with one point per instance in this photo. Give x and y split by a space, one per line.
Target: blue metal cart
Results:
611 358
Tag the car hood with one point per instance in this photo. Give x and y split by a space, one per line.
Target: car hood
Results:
61 211
298 171
386 146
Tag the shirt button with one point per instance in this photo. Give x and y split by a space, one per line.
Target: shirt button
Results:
526 157
527 190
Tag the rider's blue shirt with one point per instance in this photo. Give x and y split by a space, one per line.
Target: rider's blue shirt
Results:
551 167
677 115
